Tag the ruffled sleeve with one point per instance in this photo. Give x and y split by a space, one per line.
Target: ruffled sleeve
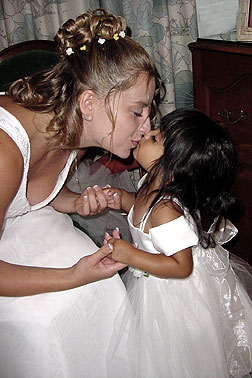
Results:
174 236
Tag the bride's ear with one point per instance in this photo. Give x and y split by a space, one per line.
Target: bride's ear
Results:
87 104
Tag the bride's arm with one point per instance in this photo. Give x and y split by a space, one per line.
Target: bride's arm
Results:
91 201
17 280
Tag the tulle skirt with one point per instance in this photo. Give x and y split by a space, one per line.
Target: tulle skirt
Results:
178 328
55 335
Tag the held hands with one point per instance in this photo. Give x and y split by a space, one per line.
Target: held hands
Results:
95 267
121 250
95 200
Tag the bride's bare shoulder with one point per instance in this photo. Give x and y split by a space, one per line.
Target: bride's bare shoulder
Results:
11 170
5 100
9 151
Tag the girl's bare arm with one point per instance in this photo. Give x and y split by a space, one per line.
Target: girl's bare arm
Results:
120 198
179 265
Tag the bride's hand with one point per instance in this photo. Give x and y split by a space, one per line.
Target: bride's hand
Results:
95 267
91 201
121 250
95 200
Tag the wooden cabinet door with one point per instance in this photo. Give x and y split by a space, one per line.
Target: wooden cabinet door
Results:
222 77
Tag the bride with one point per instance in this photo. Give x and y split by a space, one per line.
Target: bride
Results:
59 294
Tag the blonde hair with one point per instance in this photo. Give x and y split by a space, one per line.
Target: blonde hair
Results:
106 69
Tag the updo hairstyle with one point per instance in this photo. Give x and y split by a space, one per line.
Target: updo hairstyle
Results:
95 53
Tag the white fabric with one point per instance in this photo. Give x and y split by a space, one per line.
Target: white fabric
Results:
200 326
54 335
168 245
166 238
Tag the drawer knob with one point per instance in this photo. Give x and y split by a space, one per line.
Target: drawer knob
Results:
227 115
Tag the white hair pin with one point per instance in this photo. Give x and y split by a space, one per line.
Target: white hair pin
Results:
101 40
122 33
116 36
69 51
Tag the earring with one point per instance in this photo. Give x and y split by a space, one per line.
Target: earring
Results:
89 118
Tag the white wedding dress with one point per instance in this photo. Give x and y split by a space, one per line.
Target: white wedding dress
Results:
54 335
197 327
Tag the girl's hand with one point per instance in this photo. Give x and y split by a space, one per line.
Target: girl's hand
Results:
121 250
113 197
115 235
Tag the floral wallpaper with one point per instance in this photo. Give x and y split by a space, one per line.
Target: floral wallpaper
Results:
163 27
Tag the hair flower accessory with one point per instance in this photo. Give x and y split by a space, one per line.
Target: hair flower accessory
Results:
122 33
116 36
101 40
83 48
69 51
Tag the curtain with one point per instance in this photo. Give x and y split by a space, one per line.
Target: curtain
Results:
163 27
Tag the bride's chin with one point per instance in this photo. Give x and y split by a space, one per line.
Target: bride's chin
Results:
123 155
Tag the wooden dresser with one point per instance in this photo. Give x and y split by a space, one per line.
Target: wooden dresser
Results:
222 80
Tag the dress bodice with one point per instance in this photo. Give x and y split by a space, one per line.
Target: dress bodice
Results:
168 238
20 204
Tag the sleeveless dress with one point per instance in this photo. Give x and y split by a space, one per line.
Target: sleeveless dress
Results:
197 327
53 335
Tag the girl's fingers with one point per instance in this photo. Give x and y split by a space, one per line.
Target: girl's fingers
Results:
116 233
116 197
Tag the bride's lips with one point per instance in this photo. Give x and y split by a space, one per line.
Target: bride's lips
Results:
135 142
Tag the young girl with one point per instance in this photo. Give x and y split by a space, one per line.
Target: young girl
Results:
187 314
